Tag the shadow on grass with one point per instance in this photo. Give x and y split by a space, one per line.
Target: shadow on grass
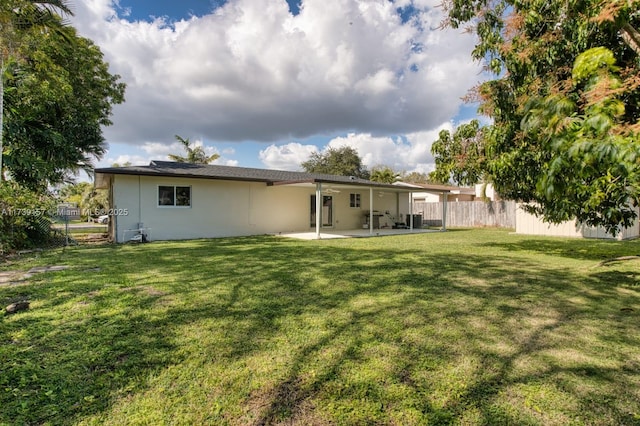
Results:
340 332
583 249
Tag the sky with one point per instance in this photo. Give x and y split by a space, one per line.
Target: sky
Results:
266 83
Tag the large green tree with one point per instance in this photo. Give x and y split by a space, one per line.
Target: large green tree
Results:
17 18
565 103
58 93
343 161
459 157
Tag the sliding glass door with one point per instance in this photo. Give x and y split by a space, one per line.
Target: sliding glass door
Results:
327 211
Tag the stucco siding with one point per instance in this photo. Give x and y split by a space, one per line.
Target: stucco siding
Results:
218 208
125 201
222 208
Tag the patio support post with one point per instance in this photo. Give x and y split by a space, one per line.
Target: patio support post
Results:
370 210
411 211
444 210
318 209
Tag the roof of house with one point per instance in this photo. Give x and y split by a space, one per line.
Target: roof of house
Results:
433 186
214 171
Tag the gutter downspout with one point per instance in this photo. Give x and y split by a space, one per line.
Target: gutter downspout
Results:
411 211
113 221
370 211
139 200
318 209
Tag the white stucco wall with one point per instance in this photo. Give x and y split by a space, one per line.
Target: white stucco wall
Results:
229 208
427 197
531 225
218 208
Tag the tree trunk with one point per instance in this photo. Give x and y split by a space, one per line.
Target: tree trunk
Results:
631 36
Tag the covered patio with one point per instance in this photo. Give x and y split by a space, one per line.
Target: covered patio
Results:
398 205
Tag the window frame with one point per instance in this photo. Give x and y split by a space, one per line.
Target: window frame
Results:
355 200
175 204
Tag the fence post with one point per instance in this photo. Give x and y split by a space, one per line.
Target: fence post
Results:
66 226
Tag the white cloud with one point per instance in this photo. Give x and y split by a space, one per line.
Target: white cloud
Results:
149 151
286 157
135 160
253 71
409 153
226 162
159 150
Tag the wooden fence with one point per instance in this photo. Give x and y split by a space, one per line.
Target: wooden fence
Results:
501 214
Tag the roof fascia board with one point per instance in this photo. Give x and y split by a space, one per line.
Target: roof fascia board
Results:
342 184
179 175
269 182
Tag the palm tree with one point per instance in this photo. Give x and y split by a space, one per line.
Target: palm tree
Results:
16 17
384 175
195 155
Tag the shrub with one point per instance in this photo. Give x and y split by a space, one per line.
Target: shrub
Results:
25 217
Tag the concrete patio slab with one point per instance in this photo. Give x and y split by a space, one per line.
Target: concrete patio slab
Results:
354 233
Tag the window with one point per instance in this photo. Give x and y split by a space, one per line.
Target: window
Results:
354 200
175 196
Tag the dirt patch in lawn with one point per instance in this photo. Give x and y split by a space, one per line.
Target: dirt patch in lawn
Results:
10 278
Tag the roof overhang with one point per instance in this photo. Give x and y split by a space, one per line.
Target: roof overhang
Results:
269 177
328 183
112 171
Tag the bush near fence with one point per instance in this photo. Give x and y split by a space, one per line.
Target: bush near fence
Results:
25 219
468 214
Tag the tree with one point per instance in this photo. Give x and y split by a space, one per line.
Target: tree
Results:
594 171
57 100
91 201
73 192
17 17
343 161
195 155
416 177
459 158
24 217
384 174
565 104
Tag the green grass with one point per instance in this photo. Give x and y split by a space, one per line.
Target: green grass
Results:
462 327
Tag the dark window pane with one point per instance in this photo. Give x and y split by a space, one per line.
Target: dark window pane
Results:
183 196
165 196
354 200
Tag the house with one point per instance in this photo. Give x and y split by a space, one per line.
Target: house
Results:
170 201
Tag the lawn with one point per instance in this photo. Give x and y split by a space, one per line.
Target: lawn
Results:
462 327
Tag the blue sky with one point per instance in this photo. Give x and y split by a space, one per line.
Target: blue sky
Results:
265 83
176 10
